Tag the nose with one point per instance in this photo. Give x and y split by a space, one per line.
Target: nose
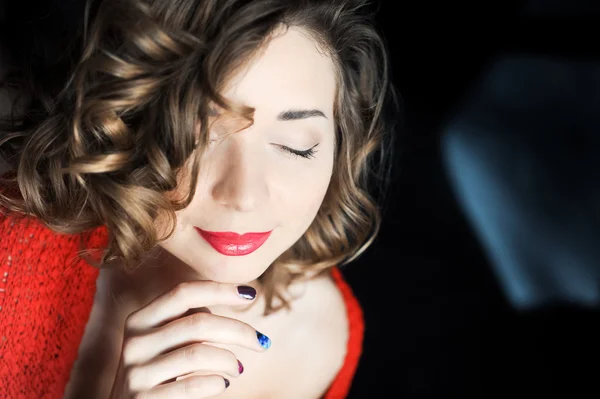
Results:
240 182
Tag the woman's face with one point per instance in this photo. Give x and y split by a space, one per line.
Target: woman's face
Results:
250 182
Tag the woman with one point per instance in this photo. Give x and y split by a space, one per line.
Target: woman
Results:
216 155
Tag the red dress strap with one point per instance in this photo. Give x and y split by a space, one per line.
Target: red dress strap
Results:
341 385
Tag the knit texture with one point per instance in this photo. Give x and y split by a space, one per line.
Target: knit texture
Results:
46 296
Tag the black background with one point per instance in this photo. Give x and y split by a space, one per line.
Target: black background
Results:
437 322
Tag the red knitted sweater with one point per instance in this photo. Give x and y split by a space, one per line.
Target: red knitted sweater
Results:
46 295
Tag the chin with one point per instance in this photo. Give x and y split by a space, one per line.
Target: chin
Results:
231 269
208 263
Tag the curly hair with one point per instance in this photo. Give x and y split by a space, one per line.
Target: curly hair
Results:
106 139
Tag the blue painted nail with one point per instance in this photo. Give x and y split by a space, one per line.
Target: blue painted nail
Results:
263 340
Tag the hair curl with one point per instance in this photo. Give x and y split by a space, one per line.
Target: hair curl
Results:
105 140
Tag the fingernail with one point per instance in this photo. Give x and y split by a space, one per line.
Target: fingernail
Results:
263 340
240 367
226 383
246 292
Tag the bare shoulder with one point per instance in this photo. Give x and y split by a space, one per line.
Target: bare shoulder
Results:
327 308
323 335
325 301
93 372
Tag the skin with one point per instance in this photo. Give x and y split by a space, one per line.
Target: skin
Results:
249 182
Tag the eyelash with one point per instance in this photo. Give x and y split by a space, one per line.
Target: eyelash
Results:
307 154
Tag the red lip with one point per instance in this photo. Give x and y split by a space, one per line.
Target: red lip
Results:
234 244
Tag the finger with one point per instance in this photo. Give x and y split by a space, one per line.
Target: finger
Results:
192 387
186 296
196 328
195 358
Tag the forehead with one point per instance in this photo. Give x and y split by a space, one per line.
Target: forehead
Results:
290 72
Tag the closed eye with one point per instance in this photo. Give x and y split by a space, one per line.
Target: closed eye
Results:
310 153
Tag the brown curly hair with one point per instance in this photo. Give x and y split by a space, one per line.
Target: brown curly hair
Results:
106 141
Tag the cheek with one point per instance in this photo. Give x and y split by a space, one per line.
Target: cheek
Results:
304 193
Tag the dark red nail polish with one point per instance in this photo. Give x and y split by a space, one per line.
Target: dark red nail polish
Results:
240 367
226 383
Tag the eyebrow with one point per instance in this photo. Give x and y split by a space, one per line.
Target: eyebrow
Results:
296 114
288 115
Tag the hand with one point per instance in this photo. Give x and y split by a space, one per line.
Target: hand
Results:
161 344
